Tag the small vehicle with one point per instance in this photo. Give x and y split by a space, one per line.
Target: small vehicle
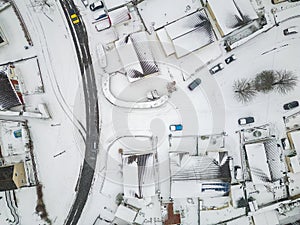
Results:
100 15
103 24
96 5
194 84
230 59
291 105
175 127
74 18
290 30
246 120
216 68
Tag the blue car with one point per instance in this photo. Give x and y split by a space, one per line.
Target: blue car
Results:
175 127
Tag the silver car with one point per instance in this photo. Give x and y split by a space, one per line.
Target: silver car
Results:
216 68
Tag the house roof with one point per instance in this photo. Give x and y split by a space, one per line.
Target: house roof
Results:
186 167
126 214
295 138
6 181
138 175
136 56
232 14
172 218
8 96
157 13
195 176
12 177
190 33
268 168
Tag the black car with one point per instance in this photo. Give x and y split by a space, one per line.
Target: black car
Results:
230 59
246 120
290 30
96 5
291 105
194 84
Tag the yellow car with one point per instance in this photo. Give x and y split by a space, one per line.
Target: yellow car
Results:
74 18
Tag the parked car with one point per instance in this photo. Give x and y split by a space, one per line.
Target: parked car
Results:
100 15
290 30
291 105
103 24
175 127
74 18
216 68
246 120
96 5
194 84
230 59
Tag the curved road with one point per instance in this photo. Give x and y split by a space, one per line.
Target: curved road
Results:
92 114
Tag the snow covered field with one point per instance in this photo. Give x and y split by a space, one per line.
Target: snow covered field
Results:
211 108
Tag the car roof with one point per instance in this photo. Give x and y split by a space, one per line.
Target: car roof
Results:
97 3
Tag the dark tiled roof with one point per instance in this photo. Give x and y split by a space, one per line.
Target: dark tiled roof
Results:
6 178
172 218
8 97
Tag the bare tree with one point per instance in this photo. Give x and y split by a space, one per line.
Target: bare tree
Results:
264 81
42 5
244 90
285 81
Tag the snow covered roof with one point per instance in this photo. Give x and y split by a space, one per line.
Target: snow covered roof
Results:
294 162
191 33
269 217
119 15
268 167
158 13
232 14
8 96
3 40
138 175
136 56
185 167
126 214
187 34
259 168
295 137
113 4
191 176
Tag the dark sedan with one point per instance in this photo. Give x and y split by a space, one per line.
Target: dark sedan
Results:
246 120
194 84
291 105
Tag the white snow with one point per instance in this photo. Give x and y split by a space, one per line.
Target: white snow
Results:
266 218
165 41
226 15
112 4
211 108
165 12
259 168
126 214
295 136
